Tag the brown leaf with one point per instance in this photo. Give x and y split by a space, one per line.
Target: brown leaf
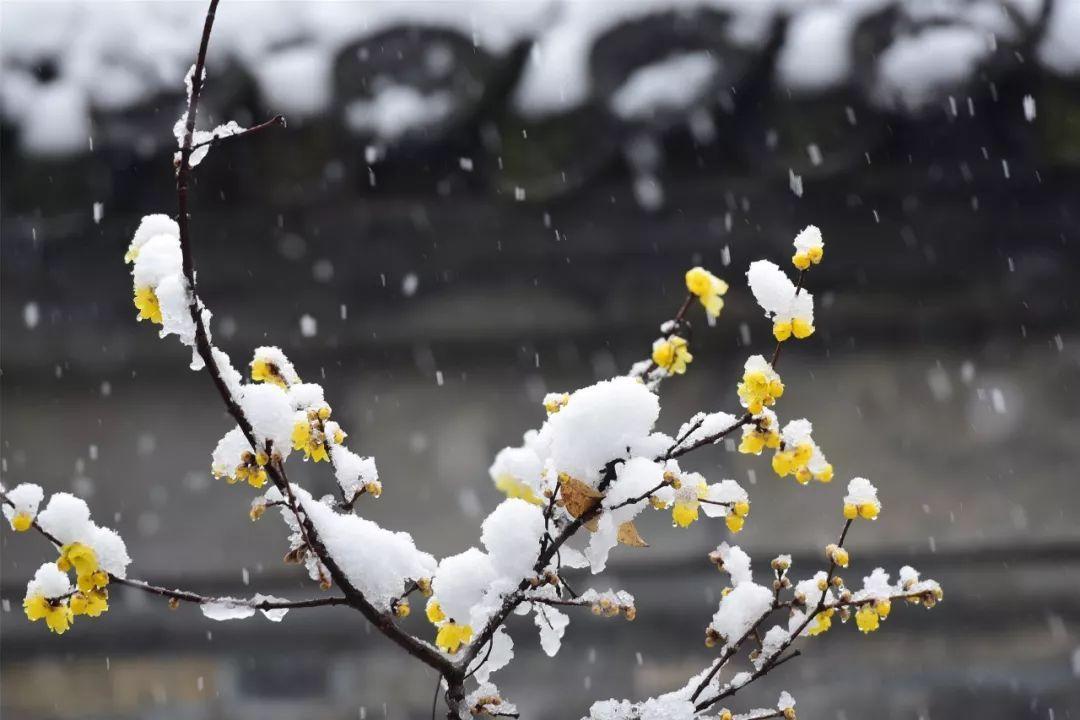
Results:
577 496
629 535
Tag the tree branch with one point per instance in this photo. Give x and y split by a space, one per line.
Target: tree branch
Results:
188 595
382 621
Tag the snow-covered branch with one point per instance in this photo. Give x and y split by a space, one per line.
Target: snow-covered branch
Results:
575 487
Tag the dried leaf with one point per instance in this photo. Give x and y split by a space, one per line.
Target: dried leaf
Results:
577 496
629 535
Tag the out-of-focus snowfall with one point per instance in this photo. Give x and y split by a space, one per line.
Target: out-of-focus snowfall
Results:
476 203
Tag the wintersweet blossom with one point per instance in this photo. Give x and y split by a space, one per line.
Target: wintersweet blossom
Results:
760 386
791 309
800 456
310 434
55 612
271 365
148 305
671 354
687 500
553 402
24 500
861 500
809 248
452 636
708 288
47 598
762 433
91 603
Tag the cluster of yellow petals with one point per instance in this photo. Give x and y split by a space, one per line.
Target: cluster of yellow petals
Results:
758 391
451 635
803 259
868 617
21 522
91 598
309 435
684 511
762 434
266 371
801 328
736 518
708 288
513 488
554 402
251 470
821 622
57 614
866 511
146 301
672 354
795 461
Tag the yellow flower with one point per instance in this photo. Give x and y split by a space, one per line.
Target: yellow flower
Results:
760 386
687 502
91 603
147 303
554 402
514 488
867 511
821 623
94 581
867 619
671 354
801 328
21 522
809 248
736 518
311 441
708 288
783 463
56 613
838 555
451 636
402 609
434 612
78 556
266 371
252 469
883 608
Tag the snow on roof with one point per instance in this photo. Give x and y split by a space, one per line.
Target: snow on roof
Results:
85 58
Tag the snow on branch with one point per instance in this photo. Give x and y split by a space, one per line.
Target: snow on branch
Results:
575 486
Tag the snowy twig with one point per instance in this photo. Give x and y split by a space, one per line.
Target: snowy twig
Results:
382 621
776 660
276 121
188 595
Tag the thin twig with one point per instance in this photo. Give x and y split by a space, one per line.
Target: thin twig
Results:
188 595
276 121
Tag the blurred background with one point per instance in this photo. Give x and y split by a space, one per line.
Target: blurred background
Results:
479 202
